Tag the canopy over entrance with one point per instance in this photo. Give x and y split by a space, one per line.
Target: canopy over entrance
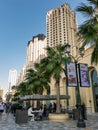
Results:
42 97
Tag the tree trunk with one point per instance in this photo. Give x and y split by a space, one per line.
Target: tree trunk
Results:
58 108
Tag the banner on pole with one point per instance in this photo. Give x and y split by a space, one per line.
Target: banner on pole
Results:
84 75
71 74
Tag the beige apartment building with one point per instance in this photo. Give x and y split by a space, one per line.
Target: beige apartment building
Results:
61 28
1 93
35 51
21 75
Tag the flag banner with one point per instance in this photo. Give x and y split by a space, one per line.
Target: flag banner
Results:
71 74
84 75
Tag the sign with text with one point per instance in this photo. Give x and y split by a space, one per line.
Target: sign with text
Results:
84 75
71 74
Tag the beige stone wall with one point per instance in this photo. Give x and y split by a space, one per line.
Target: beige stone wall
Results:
86 92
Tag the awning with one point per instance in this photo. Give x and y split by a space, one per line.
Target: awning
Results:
43 97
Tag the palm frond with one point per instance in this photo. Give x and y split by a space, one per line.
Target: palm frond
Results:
87 11
94 2
94 57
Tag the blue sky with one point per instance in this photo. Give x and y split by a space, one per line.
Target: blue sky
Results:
20 20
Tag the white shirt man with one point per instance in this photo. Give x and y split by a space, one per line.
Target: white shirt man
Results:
30 113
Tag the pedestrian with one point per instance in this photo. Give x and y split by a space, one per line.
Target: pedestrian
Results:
50 107
39 116
7 108
54 107
45 110
1 108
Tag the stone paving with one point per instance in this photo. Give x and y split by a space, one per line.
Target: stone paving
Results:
8 123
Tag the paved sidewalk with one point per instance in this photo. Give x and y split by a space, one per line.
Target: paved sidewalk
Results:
8 123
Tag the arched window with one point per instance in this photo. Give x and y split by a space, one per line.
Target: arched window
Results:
95 89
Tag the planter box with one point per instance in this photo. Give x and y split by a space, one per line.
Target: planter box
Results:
58 117
21 116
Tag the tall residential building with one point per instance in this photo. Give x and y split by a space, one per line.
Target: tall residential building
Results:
1 93
36 49
21 75
12 78
61 27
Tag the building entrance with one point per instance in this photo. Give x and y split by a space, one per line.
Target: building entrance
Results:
95 89
96 96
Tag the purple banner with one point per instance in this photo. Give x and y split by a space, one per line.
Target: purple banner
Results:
71 74
84 75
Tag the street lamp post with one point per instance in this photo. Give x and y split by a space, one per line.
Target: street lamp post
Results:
80 122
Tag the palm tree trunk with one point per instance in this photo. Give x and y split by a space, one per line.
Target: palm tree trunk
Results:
58 108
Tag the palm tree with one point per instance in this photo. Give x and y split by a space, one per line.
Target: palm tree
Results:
88 31
53 66
22 89
8 97
42 78
36 80
30 79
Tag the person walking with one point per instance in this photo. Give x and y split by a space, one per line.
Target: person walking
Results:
54 107
7 108
1 108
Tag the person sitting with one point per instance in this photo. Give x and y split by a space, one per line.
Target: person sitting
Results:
39 116
30 113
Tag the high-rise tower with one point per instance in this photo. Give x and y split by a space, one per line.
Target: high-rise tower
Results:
12 78
36 48
61 27
1 93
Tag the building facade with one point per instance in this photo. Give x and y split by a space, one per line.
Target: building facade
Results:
89 94
12 78
21 75
61 27
36 48
35 51
1 93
